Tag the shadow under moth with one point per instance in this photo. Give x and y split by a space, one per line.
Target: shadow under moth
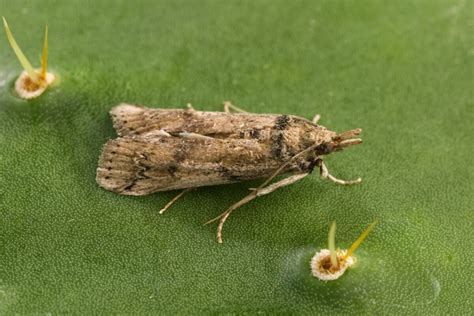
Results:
171 149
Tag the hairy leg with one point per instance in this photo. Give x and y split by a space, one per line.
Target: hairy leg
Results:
173 200
316 118
229 106
326 175
255 193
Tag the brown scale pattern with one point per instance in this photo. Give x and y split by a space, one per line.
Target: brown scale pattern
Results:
237 147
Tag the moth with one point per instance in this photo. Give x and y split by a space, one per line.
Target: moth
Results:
171 149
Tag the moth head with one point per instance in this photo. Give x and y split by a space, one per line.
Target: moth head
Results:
340 141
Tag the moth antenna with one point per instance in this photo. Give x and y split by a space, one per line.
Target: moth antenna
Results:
332 245
345 139
359 241
350 142
44 57
19 54
348 134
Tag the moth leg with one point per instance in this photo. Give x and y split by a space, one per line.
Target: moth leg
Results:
167 206
256 193
228 106
324 172
316 119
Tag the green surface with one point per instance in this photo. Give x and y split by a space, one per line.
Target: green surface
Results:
401 70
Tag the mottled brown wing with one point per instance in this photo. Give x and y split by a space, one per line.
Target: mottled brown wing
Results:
136 120
139 165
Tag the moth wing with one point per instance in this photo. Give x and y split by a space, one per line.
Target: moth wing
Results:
129 119
143 165
136 120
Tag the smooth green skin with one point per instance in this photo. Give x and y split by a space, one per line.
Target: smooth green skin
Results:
401 70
